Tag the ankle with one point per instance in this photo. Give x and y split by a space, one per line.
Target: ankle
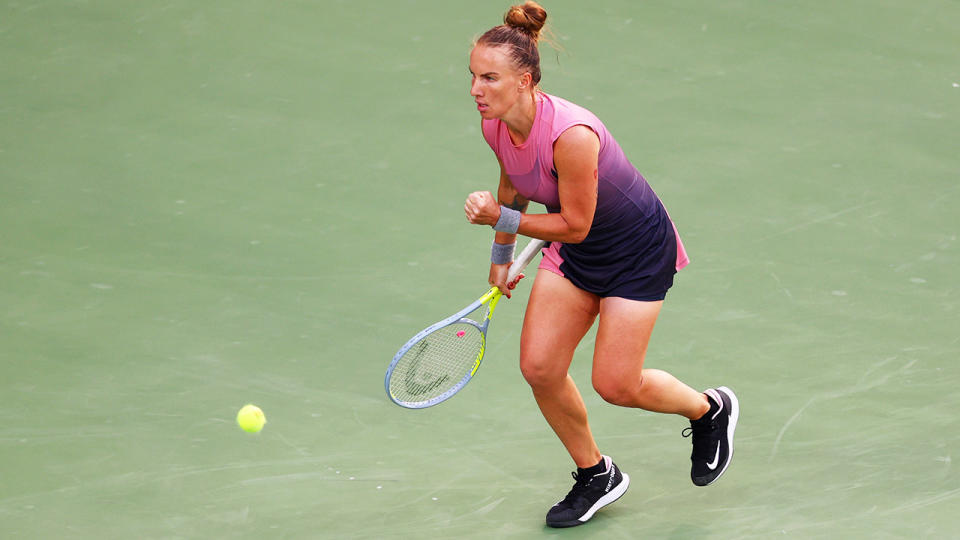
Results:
599 468
590 462
703 410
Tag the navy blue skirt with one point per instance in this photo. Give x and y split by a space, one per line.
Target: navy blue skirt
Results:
632 258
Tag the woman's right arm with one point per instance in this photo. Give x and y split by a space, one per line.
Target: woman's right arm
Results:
481 203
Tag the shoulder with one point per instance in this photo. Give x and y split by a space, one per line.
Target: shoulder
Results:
563 109
567 115
579 143
577 135
489 128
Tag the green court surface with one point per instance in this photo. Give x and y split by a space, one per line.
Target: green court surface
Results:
205 204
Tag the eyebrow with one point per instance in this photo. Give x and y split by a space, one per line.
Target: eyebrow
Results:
482 74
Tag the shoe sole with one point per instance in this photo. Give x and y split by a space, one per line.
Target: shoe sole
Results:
614 494
731 427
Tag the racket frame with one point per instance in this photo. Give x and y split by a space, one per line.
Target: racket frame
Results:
492 296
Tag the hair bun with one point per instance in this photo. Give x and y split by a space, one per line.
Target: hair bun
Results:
530 18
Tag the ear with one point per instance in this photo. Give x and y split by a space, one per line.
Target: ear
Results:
526 82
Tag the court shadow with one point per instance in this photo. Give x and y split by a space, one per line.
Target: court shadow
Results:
612 523
604 524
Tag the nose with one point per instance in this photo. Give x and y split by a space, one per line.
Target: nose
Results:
475 88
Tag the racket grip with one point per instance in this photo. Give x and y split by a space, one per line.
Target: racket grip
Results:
522 260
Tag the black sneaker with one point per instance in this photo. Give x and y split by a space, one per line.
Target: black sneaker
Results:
589 494
713 436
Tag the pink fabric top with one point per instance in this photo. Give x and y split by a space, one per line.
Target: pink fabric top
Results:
622 191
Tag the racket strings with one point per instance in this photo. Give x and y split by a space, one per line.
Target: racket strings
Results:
437 363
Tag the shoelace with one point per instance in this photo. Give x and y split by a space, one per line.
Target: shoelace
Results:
579 489
705 436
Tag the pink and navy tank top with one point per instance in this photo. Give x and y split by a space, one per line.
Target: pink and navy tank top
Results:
631 232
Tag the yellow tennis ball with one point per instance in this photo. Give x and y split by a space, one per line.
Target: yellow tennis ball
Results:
251 418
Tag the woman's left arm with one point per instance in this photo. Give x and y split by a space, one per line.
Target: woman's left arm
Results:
576 154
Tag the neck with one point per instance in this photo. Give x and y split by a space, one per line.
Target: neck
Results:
520 118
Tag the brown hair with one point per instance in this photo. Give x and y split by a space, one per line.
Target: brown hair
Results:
519 33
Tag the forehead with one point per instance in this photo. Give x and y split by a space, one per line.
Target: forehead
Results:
486 59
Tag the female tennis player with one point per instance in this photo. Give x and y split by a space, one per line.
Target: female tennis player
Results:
612 255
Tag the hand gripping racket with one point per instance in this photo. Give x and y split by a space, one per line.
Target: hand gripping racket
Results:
439 361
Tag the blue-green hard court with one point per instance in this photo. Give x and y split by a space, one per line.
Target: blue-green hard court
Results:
208 204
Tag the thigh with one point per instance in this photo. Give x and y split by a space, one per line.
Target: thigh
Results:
557 317
622 336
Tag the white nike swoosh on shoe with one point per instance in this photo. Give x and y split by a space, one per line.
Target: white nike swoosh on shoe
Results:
716 459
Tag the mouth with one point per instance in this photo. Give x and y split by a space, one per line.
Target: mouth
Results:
482 106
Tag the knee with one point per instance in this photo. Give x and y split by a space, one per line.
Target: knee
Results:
617 390
539 373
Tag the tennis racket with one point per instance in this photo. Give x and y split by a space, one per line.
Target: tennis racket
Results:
439 361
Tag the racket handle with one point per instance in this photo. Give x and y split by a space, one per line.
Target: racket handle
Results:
522 260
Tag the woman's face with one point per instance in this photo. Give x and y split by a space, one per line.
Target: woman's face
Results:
496 85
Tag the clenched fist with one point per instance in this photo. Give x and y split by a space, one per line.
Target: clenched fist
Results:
482 208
